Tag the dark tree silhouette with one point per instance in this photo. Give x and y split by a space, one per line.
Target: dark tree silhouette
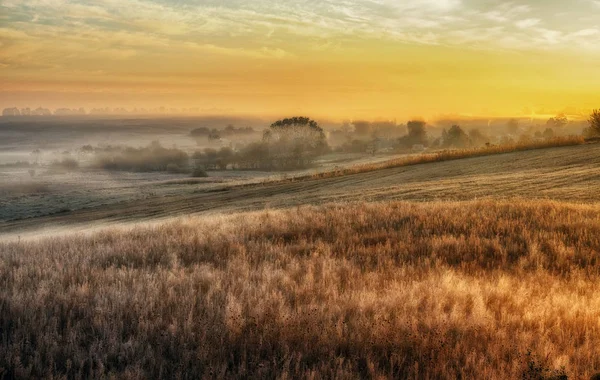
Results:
297 121
557 121
456 137
417 132
477 137
548 133
362 127
417 135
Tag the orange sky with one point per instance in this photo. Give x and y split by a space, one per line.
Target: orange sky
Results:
336 59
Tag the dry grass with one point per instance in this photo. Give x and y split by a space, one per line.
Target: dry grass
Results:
428 291
455 154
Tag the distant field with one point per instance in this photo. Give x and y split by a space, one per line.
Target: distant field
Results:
563 173
443 290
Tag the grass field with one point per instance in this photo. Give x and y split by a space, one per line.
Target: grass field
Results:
482 267
568 173
487 290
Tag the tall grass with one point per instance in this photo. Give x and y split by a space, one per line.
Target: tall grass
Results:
478 290
455 154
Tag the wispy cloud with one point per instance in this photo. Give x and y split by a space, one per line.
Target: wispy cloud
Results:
50 30
527 23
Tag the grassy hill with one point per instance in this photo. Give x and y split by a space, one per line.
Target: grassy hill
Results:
562 173
444 290
483 267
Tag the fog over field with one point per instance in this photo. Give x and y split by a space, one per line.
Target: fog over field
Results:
55 164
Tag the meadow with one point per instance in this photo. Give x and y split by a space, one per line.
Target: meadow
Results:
567 173
438 290
478 263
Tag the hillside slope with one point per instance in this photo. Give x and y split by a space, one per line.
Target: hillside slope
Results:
441 290
565 173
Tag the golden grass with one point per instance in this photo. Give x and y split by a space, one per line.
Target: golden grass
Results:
478 290
455 154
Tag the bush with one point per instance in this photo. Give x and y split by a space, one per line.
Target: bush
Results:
153 158
67 164
199 172
594 129
212 159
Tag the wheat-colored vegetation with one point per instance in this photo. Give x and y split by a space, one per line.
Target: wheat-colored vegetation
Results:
478 290
455 154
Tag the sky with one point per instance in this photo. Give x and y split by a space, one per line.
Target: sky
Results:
322 58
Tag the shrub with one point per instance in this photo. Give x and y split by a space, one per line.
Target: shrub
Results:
594 129
199 172
153 158
67 164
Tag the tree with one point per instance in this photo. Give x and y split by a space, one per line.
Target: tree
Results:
214 135
456 137
594 120
512 126
417 132
558 121
477 137
417 135
295 142
362 128
548 133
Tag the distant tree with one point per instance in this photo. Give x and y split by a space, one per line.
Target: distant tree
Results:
230 128
417 132
456 137
67 164
372 146
417 135
201 131
199 172
295 142
362 127
214 135
477 137
548 133
87 149
525 138
11 112
512 126
255 156
557 121
225 156
594 121
207 159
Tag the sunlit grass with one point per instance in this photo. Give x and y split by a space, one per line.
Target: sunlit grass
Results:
455 154
483 290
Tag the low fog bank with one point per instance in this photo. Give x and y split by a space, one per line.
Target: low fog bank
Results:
188 145
62 165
